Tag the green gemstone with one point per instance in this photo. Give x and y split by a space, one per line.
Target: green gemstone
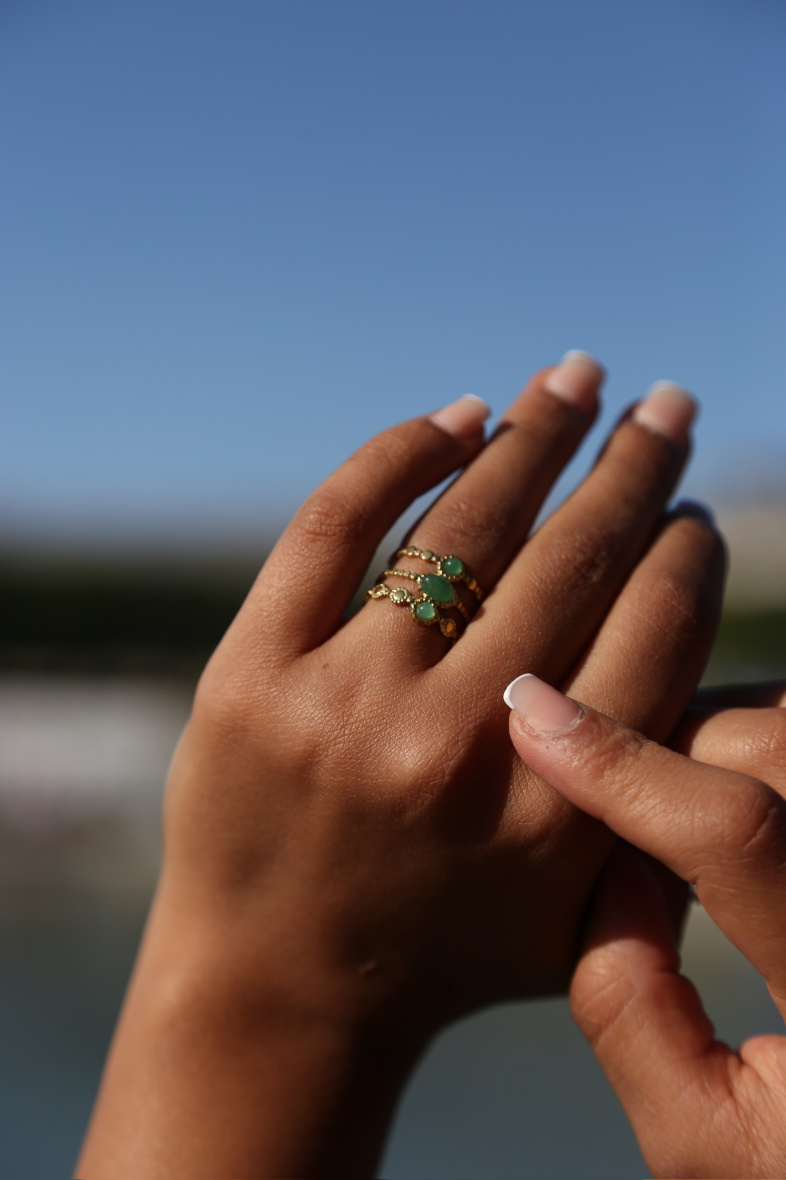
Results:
425 611
453 567
437 587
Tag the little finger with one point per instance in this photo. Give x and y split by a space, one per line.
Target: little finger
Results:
752 741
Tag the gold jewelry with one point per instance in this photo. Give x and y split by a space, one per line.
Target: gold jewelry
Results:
450 567
434 588
422 609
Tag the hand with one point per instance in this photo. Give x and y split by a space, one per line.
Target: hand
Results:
697 1107
740 727
354 856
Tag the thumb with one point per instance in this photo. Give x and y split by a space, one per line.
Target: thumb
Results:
721 831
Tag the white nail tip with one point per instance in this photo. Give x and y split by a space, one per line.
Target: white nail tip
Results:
668 387
465 397
507 694
576 354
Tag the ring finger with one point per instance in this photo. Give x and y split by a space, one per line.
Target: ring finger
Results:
485 515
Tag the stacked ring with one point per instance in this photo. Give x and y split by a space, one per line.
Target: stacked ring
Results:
423 611
436 590
451 568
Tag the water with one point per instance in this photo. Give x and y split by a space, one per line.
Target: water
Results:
512 1092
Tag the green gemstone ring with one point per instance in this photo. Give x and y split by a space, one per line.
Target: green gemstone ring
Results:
449 567
434 587
423 611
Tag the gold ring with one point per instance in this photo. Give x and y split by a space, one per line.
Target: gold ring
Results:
434 588
423 610
449 567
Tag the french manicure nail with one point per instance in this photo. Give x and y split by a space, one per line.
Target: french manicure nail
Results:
577 379
543 708
464 417
668 409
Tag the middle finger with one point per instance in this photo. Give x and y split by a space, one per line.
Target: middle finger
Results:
554 596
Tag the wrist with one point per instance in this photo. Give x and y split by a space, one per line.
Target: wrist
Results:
225 1067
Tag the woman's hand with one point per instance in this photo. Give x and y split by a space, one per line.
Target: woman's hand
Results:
740 727
354 855
697 1107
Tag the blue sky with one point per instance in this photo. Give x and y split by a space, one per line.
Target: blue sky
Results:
239 236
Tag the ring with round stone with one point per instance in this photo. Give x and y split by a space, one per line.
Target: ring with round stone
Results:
423 611
450 567
434 588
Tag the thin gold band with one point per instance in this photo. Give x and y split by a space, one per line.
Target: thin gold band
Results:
419 578
423 611
449 566
437 591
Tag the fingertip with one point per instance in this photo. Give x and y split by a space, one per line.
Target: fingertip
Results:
577 379
668 410
544 709
463 418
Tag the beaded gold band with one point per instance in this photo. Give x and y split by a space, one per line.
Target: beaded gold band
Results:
436 590
449 567
422 610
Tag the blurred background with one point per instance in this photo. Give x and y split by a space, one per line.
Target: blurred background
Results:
238 238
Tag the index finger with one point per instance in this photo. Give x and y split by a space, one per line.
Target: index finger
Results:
723 832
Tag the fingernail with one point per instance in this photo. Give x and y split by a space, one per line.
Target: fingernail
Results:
668 409
464 417
543 708
577 379
696 509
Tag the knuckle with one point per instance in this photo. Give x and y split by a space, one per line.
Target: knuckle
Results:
390 448
615 751
669 602
746 823
767 745
332 515
597 997
388 456
470 520
582 558
340 510
224 703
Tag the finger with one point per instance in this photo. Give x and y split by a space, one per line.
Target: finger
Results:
647 1026
316 566
485 515
663 622
555 594
752 741
721 831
